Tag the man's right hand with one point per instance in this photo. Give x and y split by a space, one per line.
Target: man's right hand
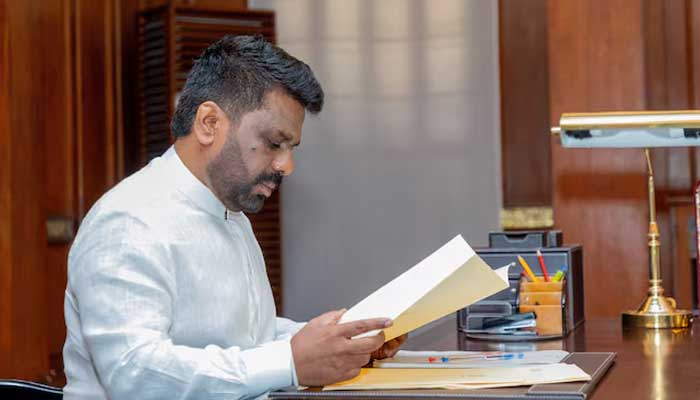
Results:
324 351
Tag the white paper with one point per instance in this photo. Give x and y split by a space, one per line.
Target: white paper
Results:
451 278
470 359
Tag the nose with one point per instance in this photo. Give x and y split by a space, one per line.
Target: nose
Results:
284 163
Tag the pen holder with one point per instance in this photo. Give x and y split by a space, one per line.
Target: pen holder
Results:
547 300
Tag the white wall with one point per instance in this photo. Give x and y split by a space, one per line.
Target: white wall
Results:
406 153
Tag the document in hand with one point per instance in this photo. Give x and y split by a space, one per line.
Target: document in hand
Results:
451 278
447 378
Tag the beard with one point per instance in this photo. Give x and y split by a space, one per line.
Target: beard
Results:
232 183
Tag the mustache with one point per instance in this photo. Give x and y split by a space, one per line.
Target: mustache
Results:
275 178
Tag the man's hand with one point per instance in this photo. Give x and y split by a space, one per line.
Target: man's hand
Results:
324 352
390 348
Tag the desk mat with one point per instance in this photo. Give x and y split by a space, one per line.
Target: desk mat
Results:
595 364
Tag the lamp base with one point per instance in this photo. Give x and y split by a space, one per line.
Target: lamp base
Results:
657 312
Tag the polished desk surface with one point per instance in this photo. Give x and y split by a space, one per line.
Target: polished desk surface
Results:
650 364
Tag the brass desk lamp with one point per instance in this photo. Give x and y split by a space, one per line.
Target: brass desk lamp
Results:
640 130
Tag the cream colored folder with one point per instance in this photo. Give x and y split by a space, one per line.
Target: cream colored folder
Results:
451 278
450 378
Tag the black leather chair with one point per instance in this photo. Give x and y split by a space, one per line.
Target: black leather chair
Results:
15 389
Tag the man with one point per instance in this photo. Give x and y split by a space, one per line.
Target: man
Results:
167 293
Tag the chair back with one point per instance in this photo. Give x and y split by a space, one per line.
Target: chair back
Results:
15 389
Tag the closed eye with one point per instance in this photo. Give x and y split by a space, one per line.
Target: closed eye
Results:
274 145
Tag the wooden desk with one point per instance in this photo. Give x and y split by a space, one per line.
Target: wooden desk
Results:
659 365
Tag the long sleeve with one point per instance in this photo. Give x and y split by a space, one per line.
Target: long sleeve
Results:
286 328
124 288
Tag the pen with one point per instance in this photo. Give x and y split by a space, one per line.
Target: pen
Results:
527 269
543 266
477 357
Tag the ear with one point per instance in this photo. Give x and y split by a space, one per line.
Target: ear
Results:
209 122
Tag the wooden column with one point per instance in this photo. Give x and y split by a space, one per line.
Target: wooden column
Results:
597 63
525 156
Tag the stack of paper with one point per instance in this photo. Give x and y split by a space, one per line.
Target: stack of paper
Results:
470 359
449 378
450 279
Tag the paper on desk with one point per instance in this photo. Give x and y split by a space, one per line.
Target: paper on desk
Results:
477 378
470 359
451 278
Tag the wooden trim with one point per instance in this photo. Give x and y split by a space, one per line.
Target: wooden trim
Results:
516 218
72 193
118 90
78 107
5 202
109 88
171 62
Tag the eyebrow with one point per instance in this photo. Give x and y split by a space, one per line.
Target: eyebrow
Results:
288 137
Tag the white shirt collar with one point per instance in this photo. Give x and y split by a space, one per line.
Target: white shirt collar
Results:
193 188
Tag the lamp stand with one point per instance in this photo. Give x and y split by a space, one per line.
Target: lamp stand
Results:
657 310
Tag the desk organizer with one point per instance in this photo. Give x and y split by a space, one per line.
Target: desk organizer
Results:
504 248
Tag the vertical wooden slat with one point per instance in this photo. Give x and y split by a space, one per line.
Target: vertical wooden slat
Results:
171 60
110 105
78 107
59 194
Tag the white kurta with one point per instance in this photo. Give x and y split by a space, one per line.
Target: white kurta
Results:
168 298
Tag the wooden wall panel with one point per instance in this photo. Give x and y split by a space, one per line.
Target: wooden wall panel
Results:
525 155
596 63
24 345
623 55
61 147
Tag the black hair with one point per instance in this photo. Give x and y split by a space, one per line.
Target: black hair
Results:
236 72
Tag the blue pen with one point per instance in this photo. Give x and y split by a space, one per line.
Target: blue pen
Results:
477 357
507 356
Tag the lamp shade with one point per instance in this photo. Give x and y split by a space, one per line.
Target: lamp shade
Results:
630 129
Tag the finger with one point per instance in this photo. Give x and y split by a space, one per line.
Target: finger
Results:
397 342
354 328
365 345
392 349
401 339
329 318
383 352
389 349
378 354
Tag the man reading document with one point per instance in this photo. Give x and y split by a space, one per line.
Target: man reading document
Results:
167 294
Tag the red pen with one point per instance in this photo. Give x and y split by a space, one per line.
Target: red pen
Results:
543 266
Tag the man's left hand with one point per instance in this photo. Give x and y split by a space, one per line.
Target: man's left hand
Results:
390 348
